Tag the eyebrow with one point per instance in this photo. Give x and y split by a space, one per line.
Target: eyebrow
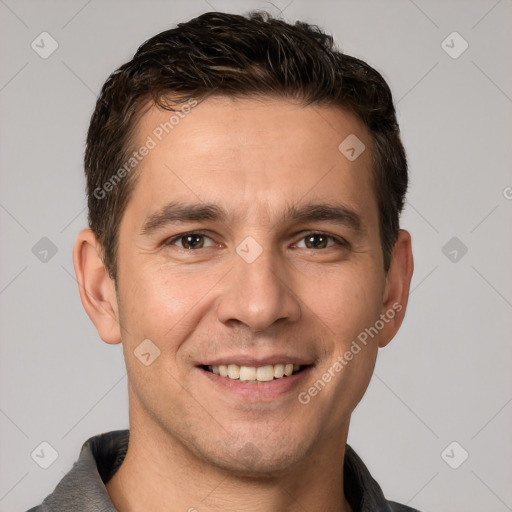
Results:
178 212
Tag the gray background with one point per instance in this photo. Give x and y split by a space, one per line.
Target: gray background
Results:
446 377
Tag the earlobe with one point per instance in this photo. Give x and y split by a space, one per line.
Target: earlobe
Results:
96 288
396 293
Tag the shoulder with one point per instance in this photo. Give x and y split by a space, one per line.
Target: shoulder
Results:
83 487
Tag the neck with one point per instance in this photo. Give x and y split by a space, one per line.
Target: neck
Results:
162 475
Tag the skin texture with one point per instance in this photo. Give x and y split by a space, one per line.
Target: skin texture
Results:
192 445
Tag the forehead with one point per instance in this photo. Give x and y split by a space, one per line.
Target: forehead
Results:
224 124
252 151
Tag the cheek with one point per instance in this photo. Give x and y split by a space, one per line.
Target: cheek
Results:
163 304
347 301
349 306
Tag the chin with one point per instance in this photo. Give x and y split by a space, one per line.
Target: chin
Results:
257 460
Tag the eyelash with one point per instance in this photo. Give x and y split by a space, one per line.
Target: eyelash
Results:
339 241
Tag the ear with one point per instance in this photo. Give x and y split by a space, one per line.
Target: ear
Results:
97 289
396 292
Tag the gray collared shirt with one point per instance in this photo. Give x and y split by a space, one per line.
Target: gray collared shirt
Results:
83 489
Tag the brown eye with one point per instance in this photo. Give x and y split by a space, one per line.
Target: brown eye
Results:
189 241
321 241
192 241
316 241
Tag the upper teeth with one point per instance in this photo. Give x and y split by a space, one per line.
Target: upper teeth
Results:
254 374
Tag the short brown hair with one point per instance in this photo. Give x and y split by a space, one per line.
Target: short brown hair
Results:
228 54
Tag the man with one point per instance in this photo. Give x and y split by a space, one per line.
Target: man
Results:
245 181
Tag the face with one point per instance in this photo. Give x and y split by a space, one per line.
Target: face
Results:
251 240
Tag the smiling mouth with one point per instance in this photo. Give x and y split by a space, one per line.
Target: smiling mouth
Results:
252 374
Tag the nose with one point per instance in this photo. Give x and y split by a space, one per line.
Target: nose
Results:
258 294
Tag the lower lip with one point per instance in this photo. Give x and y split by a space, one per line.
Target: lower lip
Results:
261 391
